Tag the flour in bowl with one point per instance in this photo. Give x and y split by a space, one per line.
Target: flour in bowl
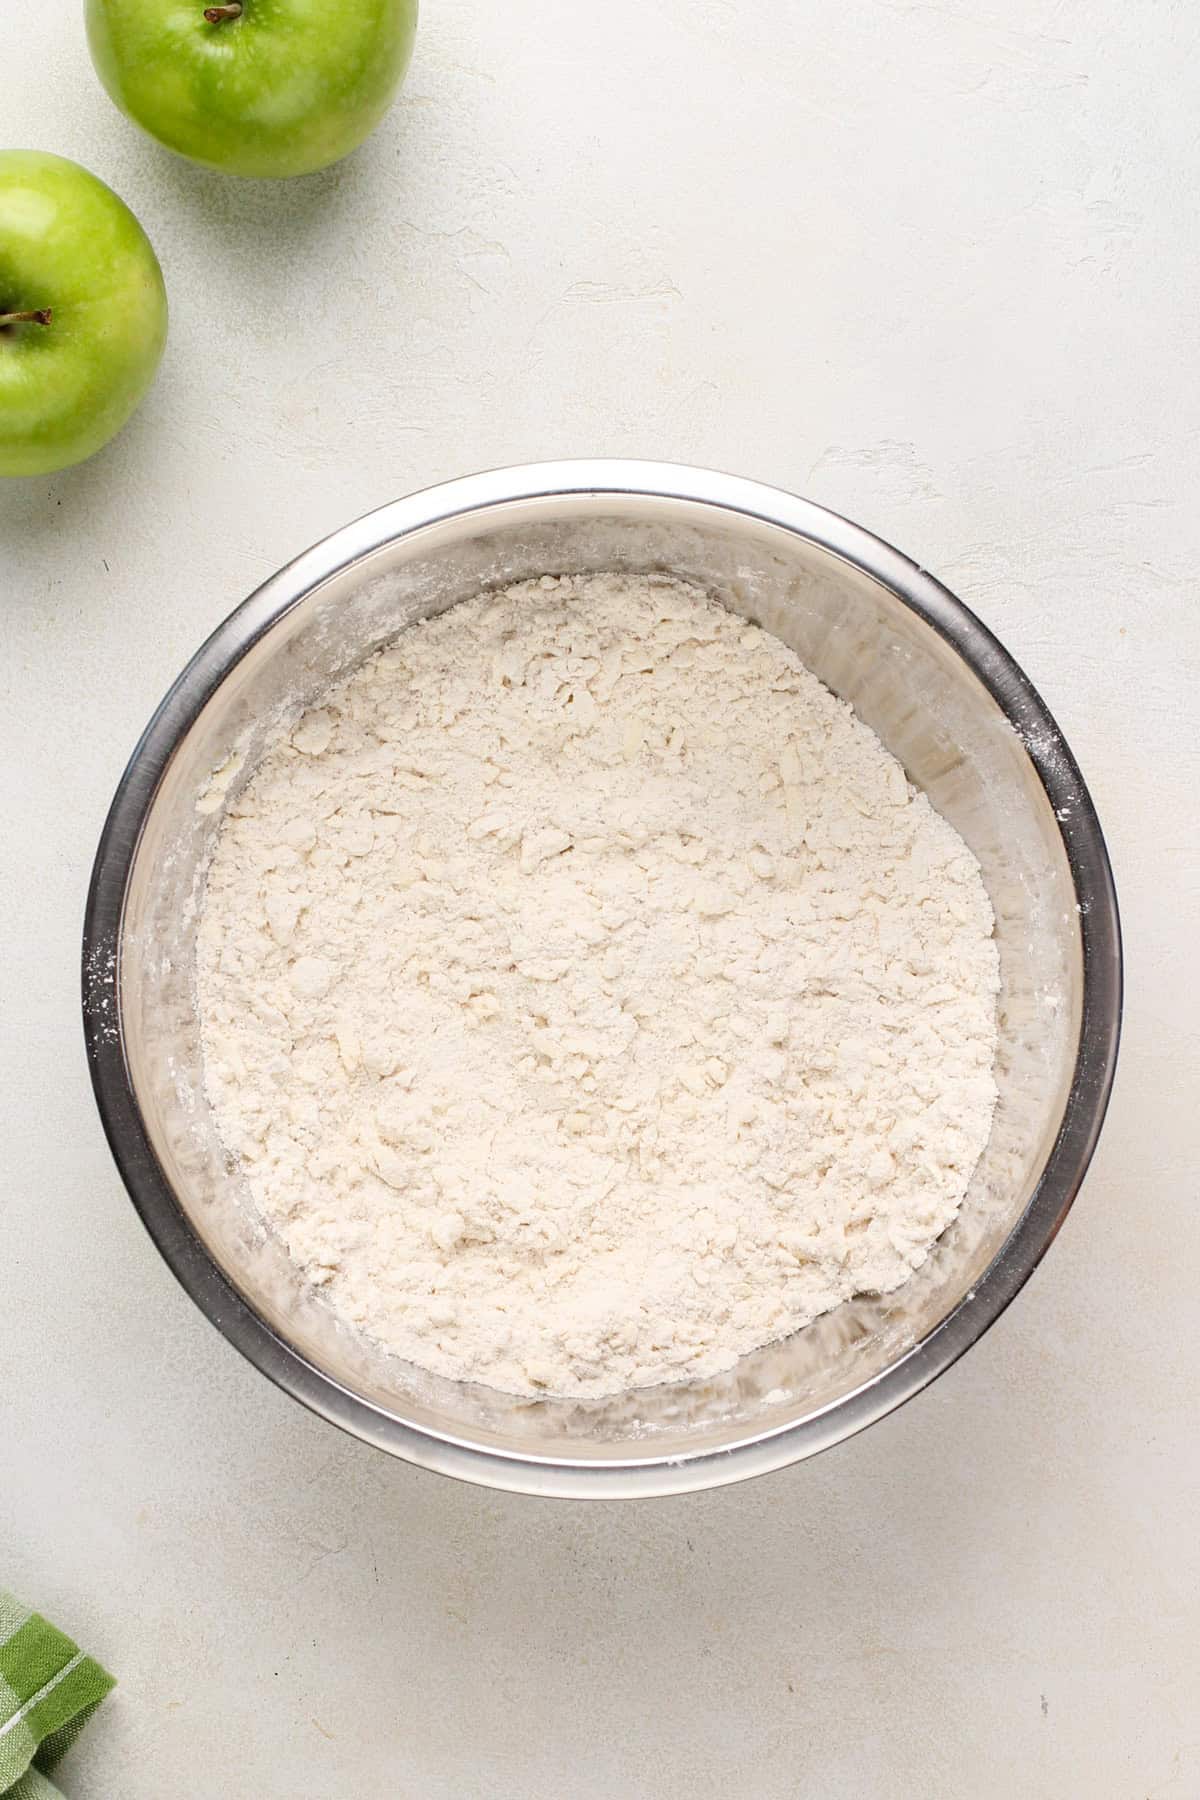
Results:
586 996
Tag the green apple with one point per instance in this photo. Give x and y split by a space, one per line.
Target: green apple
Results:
83 313
254 87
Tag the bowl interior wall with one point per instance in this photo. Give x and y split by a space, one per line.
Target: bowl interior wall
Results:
903 678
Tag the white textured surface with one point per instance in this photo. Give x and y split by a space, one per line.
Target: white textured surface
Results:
934 266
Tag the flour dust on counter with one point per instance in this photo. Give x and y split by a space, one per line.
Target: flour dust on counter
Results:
586 996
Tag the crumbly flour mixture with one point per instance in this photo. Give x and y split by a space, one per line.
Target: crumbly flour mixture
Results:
588 998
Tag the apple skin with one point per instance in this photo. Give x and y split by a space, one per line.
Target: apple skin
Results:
287 87
68 244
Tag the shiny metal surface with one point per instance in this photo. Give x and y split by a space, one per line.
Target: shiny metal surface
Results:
919 668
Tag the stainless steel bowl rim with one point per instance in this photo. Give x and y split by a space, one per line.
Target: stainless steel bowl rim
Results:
755 1453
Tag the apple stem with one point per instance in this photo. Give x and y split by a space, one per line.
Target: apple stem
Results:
215 14
41 317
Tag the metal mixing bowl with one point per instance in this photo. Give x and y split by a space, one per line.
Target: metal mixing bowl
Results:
944 697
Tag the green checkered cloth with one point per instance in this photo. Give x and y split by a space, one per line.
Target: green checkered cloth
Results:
48 1691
